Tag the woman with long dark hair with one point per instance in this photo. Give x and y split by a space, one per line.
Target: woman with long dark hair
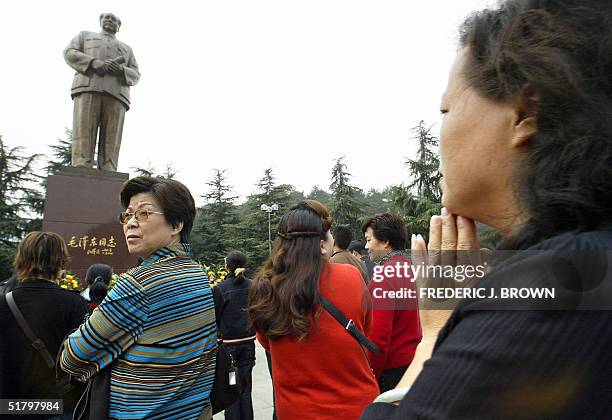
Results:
319 370
525 147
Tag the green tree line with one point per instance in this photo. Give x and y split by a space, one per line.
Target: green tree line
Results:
222 224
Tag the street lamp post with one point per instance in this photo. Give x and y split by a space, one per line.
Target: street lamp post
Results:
269 210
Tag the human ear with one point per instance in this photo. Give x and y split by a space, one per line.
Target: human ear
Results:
524 131
322 245
177 229
526 121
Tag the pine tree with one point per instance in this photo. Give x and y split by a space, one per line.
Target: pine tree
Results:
17 198
266 185
61 153
320 195
214 233
376 201
345 207
424 169
421 199
168 173
416 211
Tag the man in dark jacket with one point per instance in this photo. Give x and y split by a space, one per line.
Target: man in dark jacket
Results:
342 239
357 248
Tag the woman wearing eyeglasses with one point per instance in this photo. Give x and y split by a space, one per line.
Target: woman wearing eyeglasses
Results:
156 328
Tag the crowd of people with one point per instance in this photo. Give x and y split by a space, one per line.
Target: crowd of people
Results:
525 146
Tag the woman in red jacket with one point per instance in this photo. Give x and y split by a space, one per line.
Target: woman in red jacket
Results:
319 370
396 328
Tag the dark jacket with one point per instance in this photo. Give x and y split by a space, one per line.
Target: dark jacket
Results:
369 265
51 313
231 300
8 285
491 363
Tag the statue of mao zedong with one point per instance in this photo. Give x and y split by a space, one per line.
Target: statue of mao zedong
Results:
105 70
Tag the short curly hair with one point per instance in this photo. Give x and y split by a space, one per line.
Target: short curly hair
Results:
174 198
387 227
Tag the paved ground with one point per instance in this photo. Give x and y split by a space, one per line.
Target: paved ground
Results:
262 388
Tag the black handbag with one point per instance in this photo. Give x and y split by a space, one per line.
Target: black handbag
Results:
93 404
228 384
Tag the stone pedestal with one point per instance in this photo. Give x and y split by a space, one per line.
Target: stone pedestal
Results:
83 206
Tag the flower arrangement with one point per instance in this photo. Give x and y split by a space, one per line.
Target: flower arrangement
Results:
114 280
67 280
215 272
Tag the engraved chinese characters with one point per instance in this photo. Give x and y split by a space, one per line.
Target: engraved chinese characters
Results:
93 245
82 205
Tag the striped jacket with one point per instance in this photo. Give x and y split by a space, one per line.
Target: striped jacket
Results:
157 327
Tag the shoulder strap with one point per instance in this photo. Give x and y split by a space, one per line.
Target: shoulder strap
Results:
348 325
37 343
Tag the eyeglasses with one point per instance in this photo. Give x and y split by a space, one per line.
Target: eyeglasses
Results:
139 215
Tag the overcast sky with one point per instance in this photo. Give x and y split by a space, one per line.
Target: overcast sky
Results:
244 85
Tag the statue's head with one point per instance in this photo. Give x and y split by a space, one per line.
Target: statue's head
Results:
110 23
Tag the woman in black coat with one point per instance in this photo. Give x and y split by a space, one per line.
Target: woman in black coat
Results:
231 299
51 313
